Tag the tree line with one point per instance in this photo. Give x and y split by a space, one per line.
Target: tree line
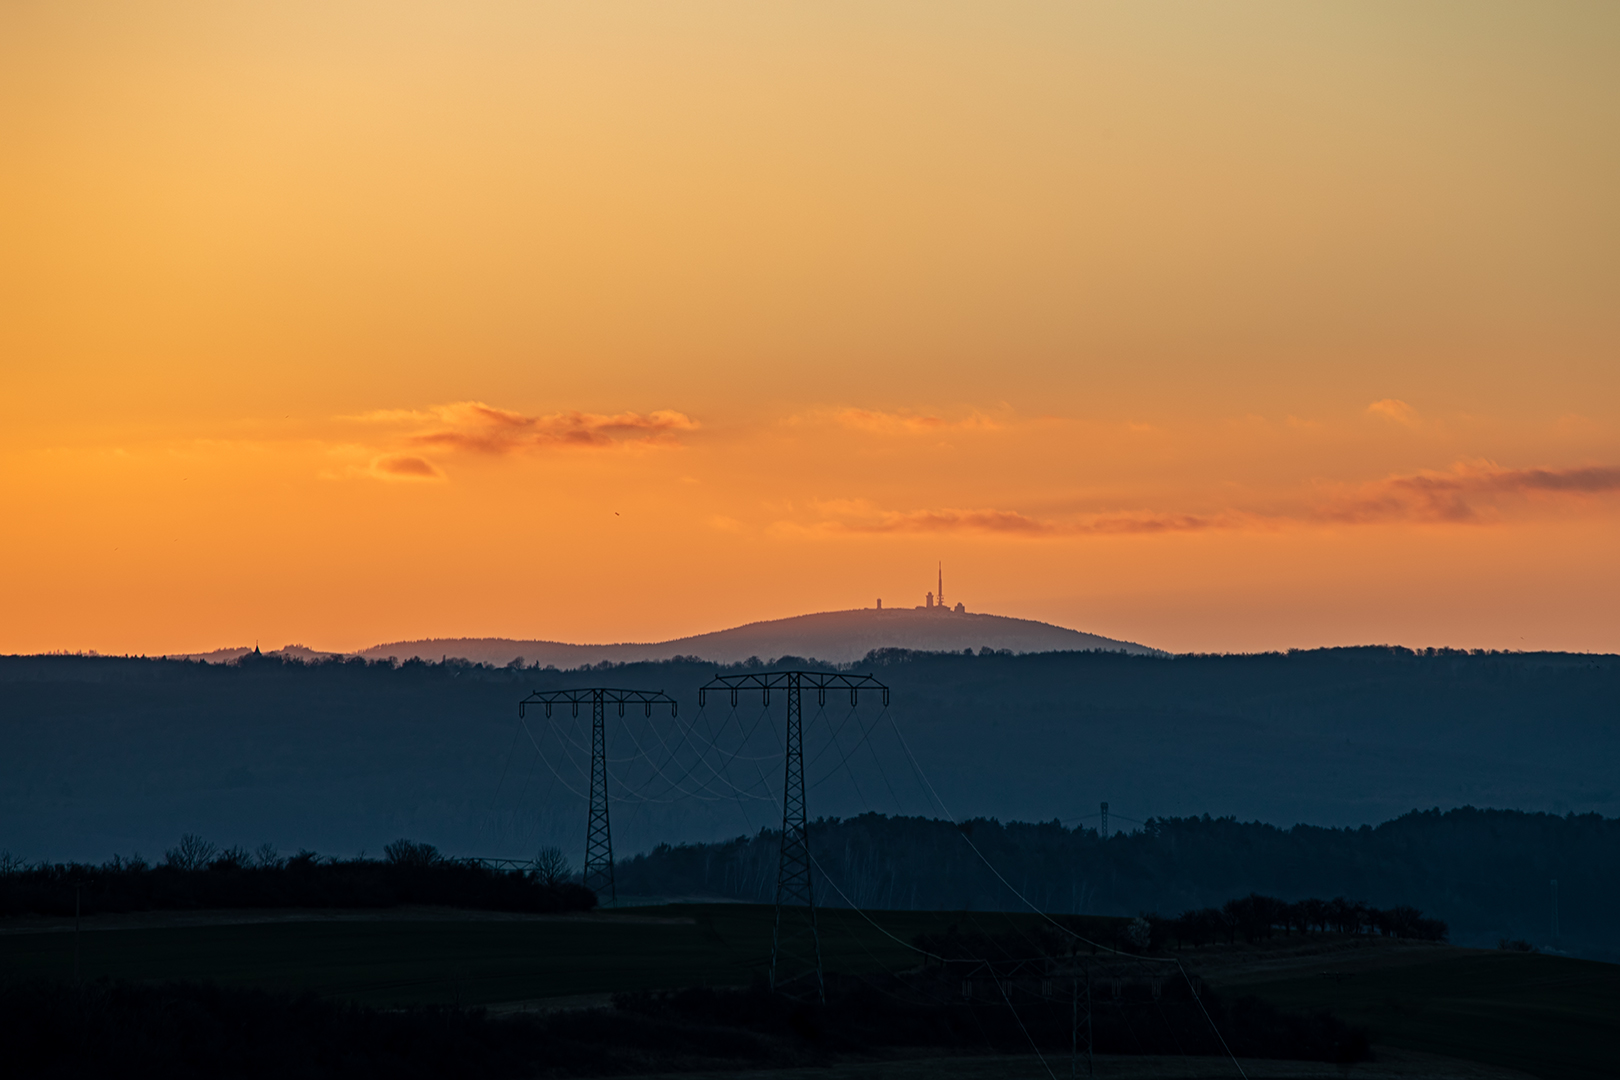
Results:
1485 873
1259 918
197 874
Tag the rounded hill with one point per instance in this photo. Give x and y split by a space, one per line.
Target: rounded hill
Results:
832 636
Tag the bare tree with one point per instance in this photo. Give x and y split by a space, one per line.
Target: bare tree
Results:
411 853
235 855
267 856
192 853
551 866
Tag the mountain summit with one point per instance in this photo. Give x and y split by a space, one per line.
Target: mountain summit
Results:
833 636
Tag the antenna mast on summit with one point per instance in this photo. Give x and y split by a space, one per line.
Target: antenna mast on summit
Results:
941 592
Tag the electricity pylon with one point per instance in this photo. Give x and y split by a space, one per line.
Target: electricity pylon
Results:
597 873
795 941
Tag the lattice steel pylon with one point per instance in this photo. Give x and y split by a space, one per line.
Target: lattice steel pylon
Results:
1081 1047
795 940
597 873
793 884
598 869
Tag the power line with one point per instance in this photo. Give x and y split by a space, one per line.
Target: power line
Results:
794 880
571 789
1053 921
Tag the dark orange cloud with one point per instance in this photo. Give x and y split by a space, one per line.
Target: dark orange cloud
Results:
926 521
1460 495
1010 522
404 467
1139 524
1591 480
475 427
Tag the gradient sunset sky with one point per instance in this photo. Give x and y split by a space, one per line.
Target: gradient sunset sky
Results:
1211 326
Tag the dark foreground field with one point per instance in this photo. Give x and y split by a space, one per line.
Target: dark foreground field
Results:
1548 1016
437 956
1540 1015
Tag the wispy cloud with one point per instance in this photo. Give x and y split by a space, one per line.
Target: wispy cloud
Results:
1395 410
1148 523
475 427
472 427
934 521
1013 523
909 423
1462 494
404 467
1469 493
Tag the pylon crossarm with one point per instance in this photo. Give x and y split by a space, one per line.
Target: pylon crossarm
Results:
819 681
588 695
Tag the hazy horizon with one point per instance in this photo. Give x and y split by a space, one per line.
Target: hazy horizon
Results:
314 645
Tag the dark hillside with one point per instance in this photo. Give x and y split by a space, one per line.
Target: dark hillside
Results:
838 636
110 755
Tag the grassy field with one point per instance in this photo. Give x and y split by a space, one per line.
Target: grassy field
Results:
1390 1066
1547 1016
398 959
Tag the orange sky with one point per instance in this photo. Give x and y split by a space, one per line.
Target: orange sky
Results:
1215 327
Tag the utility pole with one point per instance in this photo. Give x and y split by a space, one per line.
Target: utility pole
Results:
795 939
1104 821
597 872
1555 912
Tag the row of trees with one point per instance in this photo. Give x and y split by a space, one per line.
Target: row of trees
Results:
1259 918
1484 872
1253 918
198 874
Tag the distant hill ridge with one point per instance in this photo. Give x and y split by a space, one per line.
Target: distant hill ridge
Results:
838 637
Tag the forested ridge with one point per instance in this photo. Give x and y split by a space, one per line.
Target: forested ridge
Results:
1486 873
123 754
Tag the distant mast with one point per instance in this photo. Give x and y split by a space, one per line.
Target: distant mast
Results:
941 593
